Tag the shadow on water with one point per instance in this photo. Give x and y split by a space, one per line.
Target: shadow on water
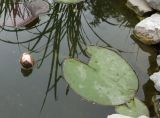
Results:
152 51
64 28
104 10
148 87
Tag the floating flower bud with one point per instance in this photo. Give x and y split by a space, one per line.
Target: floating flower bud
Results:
26 61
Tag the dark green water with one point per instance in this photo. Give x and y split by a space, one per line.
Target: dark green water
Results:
65 32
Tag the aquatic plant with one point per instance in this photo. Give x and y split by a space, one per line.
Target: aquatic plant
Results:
64 25
107 79
134 108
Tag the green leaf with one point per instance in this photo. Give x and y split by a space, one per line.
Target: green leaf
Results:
69 1
106 80
133 108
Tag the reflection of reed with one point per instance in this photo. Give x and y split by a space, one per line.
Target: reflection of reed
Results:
64 23
14 13
7 5
104 10
63 26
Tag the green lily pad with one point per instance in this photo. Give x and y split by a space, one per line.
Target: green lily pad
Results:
106 80
134 108
69 1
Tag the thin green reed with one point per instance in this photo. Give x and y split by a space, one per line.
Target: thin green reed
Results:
64 25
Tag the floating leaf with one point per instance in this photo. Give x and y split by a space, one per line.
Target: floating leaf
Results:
107 79
134 108
69 1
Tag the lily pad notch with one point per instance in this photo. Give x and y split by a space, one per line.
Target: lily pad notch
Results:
107 79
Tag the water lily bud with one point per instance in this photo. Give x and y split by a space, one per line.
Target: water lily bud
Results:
26 61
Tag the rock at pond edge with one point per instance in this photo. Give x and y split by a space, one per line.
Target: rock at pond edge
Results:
155 4
140 7
123 116
155 77
148 30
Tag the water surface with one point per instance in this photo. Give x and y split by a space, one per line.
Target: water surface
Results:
65 32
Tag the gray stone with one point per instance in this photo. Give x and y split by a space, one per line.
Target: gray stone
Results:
140 7
13 19
155 4
37 7
118 116
29 10
156 79
123 116
148 30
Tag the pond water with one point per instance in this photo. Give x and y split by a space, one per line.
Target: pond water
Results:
64 32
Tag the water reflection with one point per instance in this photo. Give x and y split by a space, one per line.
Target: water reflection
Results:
148 87
64 23
20 14
106 10
152 51
25 72
64 32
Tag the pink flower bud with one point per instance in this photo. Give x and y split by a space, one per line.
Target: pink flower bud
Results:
26 61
